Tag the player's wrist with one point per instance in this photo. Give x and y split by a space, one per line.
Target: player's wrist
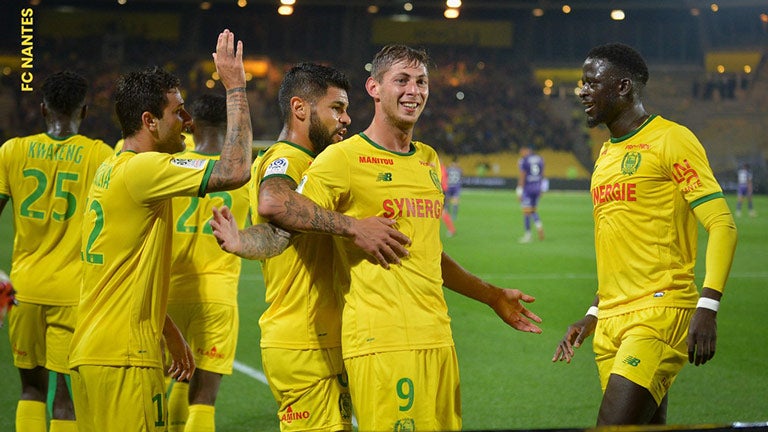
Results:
708 303
592 311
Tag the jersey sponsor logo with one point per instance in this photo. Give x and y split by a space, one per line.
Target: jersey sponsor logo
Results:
196 164
375 160
631 162
684 173
384 177
405 425
278 166
55 152
290 415
637 146
412 207
18 352
614 192
212 353
632 361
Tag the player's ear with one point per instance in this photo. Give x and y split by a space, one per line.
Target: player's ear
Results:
372 87
300 108
149 121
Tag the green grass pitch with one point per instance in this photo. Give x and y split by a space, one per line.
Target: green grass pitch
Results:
507 378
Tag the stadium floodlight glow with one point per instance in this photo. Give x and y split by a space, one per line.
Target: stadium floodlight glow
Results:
453 3
548 83
720 69
764 18
408 6
538 12
288 2
714 7
747 69
373 9
617 15
122 2
451 13
206 5
242 3
695 11
566 9
285 10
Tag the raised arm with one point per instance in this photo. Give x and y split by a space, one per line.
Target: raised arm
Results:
232 170
505 302
281 204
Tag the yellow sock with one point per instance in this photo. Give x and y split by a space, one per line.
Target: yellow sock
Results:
63 425
178 402
30 416
201 418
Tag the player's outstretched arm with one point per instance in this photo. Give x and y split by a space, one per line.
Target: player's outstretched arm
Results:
232 170
574 336
283 206
505 302
255 242
183 362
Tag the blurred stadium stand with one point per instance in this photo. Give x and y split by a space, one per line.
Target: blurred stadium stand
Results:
502 77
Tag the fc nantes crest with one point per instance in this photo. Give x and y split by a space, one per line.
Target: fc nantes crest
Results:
630 163
436 180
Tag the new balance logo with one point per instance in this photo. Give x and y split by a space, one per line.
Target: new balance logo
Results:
632 361
385 177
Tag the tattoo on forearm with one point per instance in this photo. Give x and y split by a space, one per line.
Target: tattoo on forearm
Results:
299 213
263 241
236 153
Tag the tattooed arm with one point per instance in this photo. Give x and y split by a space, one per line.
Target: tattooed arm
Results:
232 170
283 206
255 242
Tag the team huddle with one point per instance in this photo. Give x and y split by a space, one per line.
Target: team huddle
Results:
142 287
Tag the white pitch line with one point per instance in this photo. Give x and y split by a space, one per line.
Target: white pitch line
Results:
251 372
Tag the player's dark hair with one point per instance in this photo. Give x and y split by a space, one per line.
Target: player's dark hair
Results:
623 57
64 92
392 54
210 109
142 91
309 81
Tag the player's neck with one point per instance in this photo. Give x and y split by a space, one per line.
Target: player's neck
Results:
299 138
390 137
62 129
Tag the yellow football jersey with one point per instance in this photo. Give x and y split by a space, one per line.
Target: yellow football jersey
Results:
304 306
47 180
401 308
644 188
126 249
201 271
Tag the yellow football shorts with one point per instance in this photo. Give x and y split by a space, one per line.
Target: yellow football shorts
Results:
310 387
211 332
647 347
40 335
406 390
109 398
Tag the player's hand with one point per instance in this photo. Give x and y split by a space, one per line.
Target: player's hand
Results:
508 307
182 361
702 336
574 337
228 59
225 230
376 236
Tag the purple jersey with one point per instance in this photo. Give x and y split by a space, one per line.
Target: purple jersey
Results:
454 181
532 167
